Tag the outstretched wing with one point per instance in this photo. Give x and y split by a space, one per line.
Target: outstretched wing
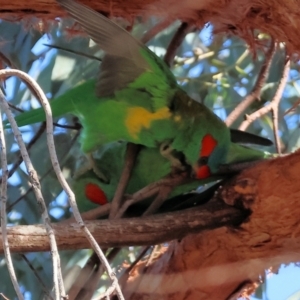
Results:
126 58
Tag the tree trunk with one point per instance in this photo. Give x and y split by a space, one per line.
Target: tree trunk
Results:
225 262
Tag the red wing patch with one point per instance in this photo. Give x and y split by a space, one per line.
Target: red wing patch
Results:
208 145
203 172
94 193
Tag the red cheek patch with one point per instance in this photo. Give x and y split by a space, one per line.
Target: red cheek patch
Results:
208 145
203 172
95 194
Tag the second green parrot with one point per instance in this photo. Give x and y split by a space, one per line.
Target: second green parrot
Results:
149 167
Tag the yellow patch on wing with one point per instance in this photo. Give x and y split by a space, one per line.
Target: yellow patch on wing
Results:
138 118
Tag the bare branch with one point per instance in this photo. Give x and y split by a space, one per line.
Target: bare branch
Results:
37 135
8 258
162 186
273 104
63 182
261 79
45 174
125 232
176 41
131 153
57 276
45 290
150 34
84 277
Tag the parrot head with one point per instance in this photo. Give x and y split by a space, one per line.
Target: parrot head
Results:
217 152
202 168
208 159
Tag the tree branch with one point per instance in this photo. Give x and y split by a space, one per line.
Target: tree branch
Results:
273 105
255 93
124 232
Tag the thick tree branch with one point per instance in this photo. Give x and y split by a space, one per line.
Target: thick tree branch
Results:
124 232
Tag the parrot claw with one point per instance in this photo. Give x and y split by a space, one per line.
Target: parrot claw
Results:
167 151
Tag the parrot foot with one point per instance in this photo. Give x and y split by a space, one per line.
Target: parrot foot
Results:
168 152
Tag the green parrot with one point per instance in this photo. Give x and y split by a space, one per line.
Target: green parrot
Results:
136 99
150 166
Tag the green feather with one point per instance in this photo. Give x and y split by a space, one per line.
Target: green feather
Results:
149 167
136 99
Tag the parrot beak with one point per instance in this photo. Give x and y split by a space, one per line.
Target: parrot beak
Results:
202 169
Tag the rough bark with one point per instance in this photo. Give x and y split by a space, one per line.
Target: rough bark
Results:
125 232
218 263
280 19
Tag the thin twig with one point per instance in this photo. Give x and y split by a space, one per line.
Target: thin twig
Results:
62 180
294 106
57 276
125 275
15 107
275 126
83 277
37 276
91 285
8 258
7 61
76 126
106 294
92 214
158 201
37 135
131 153
261 79
272 106
45 174
51 145
176 41
151 190
155 30
4 297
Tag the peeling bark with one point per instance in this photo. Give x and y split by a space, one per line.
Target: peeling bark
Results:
280 19
216 264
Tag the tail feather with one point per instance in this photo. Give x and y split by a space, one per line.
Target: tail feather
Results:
29 117
242 137
59 106
238 153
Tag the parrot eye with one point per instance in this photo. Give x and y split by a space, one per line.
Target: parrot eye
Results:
202 161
